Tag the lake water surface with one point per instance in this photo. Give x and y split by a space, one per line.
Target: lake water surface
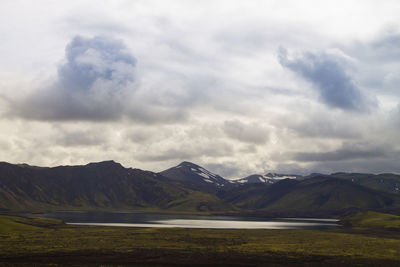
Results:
188 221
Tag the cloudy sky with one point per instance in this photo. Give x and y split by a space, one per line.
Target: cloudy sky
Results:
239 87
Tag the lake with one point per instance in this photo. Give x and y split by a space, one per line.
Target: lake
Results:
122 219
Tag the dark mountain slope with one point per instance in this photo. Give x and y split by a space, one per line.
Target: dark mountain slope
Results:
196 177
315 196
257 196
329 194
104 185
387 182
187 188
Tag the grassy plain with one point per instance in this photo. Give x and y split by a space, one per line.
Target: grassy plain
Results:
49 242
374 220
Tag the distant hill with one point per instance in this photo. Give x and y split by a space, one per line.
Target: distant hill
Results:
312 197
387 182
188 187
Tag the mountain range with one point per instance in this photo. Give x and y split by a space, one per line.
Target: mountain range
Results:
191 188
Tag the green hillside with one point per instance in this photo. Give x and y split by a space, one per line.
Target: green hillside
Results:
387 182
374 220
329 195
318 196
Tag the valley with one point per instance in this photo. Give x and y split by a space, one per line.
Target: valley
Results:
364 238
27 241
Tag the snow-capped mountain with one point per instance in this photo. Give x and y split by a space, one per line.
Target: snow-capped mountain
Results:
269 178
195 174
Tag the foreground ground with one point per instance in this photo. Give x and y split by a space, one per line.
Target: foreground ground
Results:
48 242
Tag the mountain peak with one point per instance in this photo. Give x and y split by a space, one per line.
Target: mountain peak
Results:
190 172
187 164
106 163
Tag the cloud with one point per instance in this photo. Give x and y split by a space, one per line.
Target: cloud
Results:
91 83
249 133
346 152
97 82
291 168
93 59
189 150
387 46
395 117
325 125
226 169
378 62
327 73
80 138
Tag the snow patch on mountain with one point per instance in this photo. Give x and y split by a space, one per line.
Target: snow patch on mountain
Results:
204 175
269 178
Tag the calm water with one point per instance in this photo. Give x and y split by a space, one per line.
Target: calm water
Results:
188 221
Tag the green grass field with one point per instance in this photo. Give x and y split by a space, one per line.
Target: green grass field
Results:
374 220
49 242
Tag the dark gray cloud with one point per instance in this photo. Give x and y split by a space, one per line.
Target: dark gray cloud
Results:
346 152
91 59
327 73
91 83
249 133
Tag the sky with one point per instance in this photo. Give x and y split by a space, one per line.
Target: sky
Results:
239 87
